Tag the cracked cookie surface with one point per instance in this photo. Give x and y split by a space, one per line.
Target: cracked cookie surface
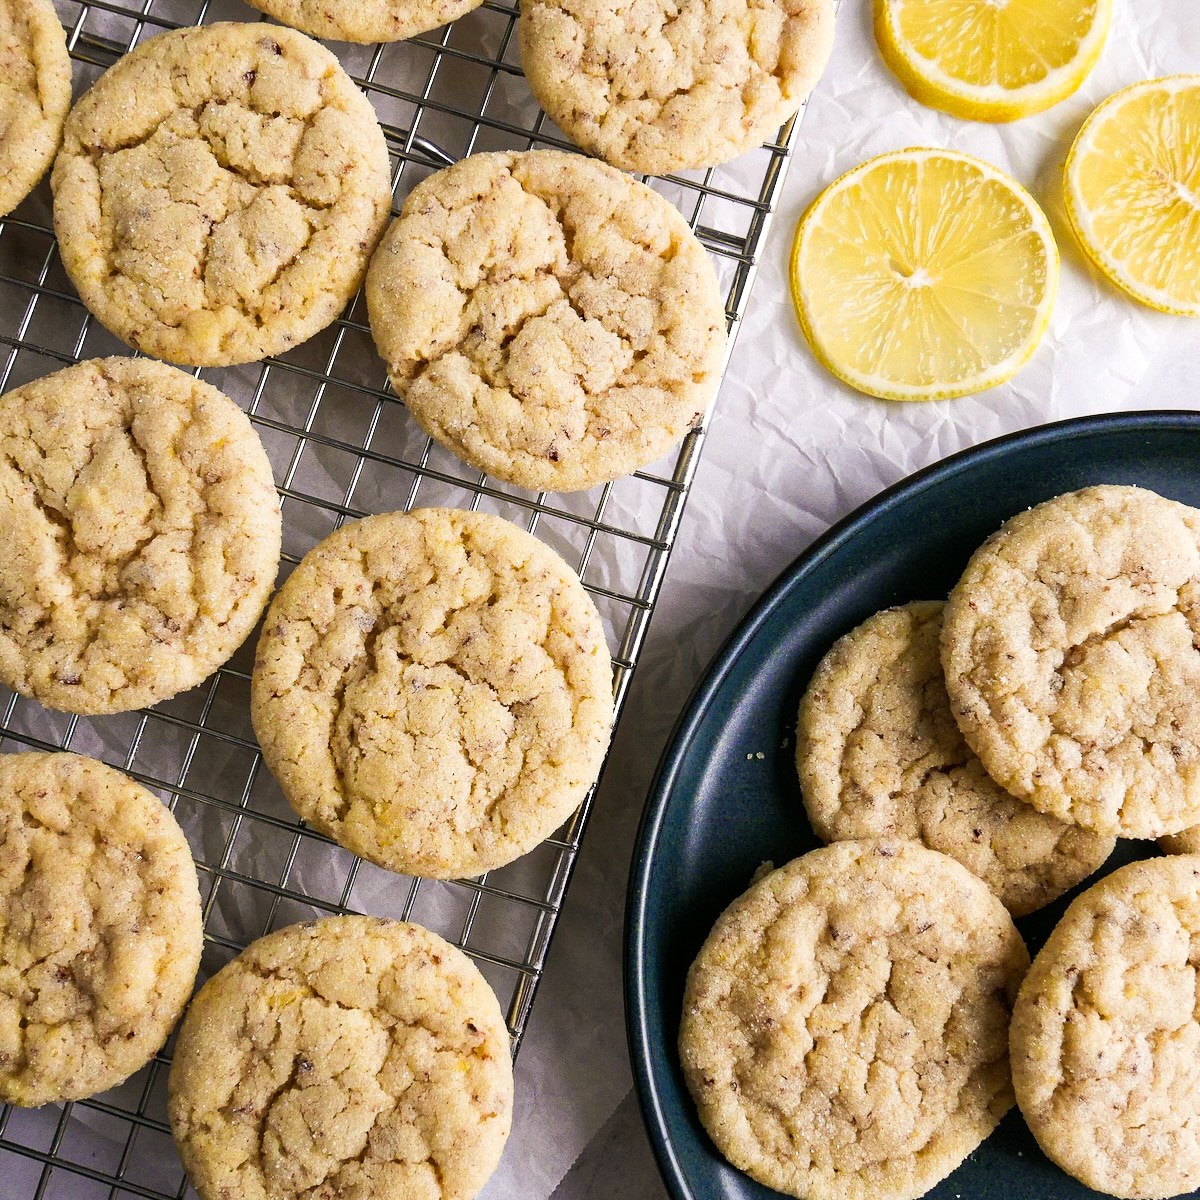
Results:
1070 650
139 534
365 20
219 192
845 1025
35 94
352 1056
879 755
433 690
552 321
100 929
1106 1038
664 85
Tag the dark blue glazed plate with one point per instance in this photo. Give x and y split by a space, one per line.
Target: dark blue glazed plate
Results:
725 798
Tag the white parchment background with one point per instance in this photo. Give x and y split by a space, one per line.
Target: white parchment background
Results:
790 451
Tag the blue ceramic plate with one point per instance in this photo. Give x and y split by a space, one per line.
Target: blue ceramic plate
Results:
725 798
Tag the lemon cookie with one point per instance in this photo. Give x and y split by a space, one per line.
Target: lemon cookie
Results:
348 1057
1069 649
879 755
552 321
219 192
100 930
1186 841
845 1025
662 86
1105 1035
139 537
365 20
35 97
432 689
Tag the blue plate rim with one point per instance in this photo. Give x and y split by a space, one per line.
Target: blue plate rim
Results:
722 665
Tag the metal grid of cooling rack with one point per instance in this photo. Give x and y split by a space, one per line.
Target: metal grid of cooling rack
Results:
341 447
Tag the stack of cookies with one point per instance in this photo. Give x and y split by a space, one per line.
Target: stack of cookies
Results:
1009 736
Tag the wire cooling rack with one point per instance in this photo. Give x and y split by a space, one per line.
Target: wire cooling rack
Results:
341 447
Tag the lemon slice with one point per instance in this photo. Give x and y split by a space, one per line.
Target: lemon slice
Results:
1133 191
924 274
991 60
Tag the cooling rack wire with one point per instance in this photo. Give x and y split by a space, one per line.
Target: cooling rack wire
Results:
341 447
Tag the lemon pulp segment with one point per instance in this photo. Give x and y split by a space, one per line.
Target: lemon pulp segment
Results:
924 274
991 60
1133 191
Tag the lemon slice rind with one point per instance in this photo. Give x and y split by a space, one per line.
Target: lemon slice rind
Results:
929 84
888 388
1078 212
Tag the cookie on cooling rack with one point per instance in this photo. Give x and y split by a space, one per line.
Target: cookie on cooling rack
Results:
35 97
1105 1036
219 192
552 321
139 536
433 690
365 20
1071 663
879 755
845 1024
664 86
100 928
352 1056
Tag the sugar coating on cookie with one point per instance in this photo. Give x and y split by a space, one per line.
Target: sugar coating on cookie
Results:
36 95
352 1056
552 321
1070 654
219 192
845 1025
1106 1038
365 20
660 86
100 927
433 690
139 534
879 755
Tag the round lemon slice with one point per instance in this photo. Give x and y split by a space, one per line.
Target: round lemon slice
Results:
991 60
924 274
1133 191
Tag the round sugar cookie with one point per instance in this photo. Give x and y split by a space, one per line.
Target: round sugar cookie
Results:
845 1025
348 1057
1070 653
662 86
365 20
36 95
552 321
1105 1034
433 690
100 927
879 755
219 192
139 534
